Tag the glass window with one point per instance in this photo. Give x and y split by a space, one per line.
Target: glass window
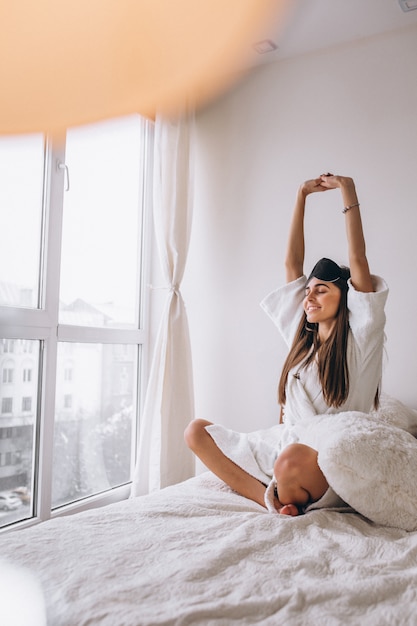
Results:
71 268
27 403
17 441
8 346
21 198
26 346
93 423
7 405
102 233
67 404
27 375
7 375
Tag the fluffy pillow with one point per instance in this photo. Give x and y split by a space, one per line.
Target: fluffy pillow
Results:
372 465
392 411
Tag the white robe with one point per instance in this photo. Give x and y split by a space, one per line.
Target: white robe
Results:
256 452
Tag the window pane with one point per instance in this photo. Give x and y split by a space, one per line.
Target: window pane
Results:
19 399
95 408
21 189
102 231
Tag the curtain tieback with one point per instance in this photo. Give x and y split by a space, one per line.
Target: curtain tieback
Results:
174 287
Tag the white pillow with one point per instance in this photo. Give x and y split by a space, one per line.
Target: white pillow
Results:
372 465
394 412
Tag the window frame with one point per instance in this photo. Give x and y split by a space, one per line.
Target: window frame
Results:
42 324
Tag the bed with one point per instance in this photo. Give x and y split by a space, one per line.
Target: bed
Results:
198 553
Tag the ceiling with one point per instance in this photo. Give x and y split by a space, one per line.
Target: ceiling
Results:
316 24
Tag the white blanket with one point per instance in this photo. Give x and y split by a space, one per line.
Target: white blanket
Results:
199 554
369 460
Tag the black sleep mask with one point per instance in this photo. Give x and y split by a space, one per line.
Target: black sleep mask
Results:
329 271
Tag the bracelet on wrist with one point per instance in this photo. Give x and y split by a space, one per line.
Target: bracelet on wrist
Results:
351 206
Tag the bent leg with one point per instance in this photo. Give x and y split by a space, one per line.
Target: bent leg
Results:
202 444
299 478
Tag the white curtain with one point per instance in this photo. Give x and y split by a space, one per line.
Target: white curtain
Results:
163 458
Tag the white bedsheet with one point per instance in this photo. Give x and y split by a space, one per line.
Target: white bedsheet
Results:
199 554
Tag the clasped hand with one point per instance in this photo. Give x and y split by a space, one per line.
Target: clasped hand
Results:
325 182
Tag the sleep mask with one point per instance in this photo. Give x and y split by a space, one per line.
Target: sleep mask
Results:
329 271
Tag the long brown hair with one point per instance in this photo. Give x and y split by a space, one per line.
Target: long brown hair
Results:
331 355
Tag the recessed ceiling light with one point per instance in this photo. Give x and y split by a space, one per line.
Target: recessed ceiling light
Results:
267 45
408 5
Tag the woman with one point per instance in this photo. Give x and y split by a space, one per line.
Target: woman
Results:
334 363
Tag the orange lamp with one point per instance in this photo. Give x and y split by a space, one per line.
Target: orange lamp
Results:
68 63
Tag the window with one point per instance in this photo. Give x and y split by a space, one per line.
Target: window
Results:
7 405
74 288
67 401
27 404
10 458
5 459
8 344
27 375
8 375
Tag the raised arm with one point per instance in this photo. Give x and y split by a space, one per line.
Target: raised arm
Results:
294 258
358 263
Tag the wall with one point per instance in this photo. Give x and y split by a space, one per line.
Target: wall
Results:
350 110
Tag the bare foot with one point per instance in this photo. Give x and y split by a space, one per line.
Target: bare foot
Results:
289 509
285 509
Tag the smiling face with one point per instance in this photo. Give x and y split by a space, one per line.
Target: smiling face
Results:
321 302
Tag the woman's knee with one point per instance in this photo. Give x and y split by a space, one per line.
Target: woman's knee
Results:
295 460
298 465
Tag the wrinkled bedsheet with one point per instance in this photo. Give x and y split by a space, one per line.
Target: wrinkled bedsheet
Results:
197 553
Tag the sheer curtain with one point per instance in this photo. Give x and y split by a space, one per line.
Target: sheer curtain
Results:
163 458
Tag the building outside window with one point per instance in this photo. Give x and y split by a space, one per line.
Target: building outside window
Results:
72 314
